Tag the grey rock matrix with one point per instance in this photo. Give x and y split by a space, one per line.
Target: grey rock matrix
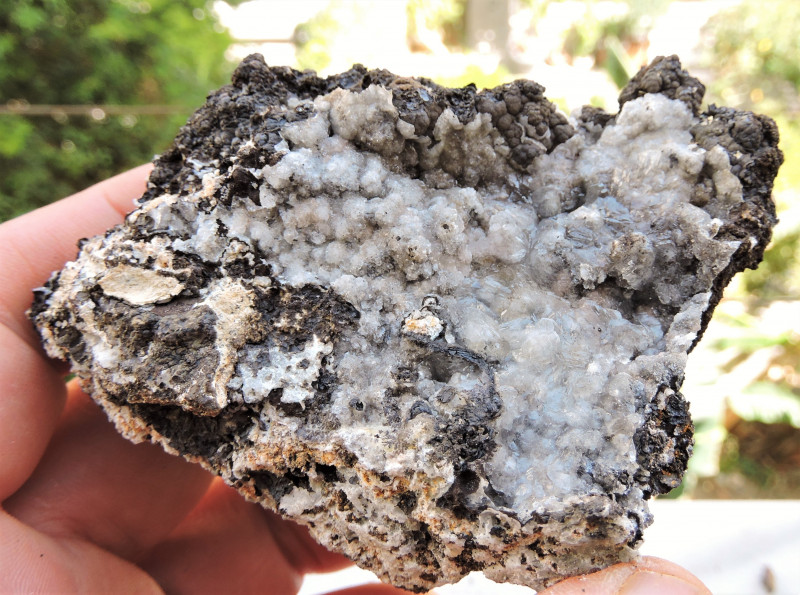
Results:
445 329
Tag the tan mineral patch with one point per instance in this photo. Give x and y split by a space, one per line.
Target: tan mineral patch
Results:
138 286
422 323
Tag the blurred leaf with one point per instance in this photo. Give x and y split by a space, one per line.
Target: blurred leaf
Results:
740 320
314 39
474 75
708 438
27 17
14 133
751 343
617 63
767 402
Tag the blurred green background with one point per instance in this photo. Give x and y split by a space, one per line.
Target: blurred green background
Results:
89 88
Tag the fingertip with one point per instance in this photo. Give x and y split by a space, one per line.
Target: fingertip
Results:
122 190
666 568
645 576
653 583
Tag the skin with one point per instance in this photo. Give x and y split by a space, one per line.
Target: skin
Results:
84 510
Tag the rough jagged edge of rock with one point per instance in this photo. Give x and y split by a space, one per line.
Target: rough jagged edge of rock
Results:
751 142
243 111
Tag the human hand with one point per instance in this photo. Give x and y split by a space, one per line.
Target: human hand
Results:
85 510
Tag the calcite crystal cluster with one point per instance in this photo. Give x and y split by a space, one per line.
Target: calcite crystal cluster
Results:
445 329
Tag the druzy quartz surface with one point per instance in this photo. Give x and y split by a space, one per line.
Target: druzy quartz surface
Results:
443 328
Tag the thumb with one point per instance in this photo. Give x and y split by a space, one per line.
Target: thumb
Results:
645 576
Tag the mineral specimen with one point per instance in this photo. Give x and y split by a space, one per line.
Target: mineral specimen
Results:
443 328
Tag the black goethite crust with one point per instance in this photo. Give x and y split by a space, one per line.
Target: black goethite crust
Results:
445 329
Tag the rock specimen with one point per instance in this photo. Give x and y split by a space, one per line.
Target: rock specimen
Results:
443 328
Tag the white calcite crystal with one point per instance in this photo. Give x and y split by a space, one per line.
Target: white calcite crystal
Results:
445 329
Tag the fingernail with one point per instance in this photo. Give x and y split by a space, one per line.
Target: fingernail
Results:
653 583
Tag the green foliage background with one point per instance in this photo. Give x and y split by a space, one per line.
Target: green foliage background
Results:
118 52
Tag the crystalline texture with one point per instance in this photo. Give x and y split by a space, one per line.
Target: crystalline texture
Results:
443 328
